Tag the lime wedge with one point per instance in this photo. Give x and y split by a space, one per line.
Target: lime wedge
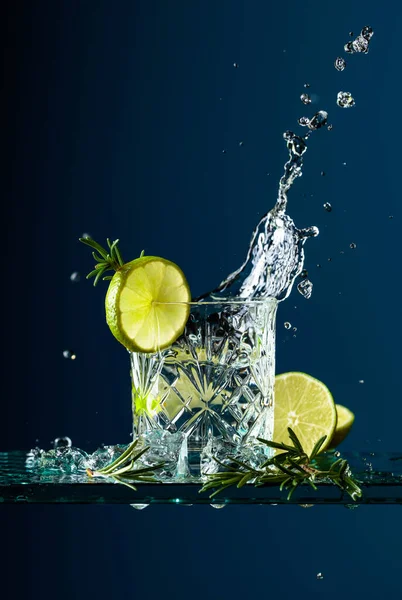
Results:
305 405
344 425
147 304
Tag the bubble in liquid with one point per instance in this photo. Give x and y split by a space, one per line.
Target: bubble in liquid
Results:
345 100
62 442
305 98
303 121
305 288
327 206
287 325
69 354
352 246
340 63
75 277
320 576
319 120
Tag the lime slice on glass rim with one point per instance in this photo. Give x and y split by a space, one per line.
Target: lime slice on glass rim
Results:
147 304
306 405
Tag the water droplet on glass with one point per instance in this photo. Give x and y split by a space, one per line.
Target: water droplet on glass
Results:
75 277
340 63
327 206
69 354
305 288
139 506
361 380
319 120
218 505
352 245
305 98
345 100
287 325
304 273
303 121
236 66
320 576
62 442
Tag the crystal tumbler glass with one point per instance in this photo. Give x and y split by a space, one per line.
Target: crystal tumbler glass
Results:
215 381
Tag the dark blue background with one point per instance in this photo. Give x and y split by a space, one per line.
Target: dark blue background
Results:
114 121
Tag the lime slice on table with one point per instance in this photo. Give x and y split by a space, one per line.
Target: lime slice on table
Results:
306 405
147 304
345 421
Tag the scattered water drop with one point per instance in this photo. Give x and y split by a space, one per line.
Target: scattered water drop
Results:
327 206
86 235
320 576
345 100
287 325
75 277
69 354
305 288
330 127
367 32
139 506
306 505
294 329
330 259
351 33
236 66
304 273
391 217
337 453
319 120
218 505
352 245
306 85
344 164
303 121
223 151
340 63
305 98
361 380
322 173
360 45
241 143
348 47
351 506
319 266
62 442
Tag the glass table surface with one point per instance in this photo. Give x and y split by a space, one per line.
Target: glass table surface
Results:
379 475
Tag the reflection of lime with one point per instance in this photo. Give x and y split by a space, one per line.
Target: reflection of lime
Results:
344 425
137 304
305 405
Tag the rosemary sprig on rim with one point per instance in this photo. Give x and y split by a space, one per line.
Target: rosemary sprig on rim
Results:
122 468
288 470
106 260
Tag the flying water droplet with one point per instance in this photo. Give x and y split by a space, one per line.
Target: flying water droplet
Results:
62 442
352 246
360 45
69 354
75 277
306 85
361 380
330 127
345 100
305 288
139 506
241 143
320 576
327 206
340 63
287 325
322 173
236 66
304 273
305 98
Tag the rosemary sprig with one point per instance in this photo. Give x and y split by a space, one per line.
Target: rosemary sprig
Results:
289 469
106 259
123 470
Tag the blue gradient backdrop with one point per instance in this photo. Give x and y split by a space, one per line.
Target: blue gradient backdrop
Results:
114 121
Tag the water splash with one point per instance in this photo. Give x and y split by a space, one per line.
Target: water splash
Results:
345 100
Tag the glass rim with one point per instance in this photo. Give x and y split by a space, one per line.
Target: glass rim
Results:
228 302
